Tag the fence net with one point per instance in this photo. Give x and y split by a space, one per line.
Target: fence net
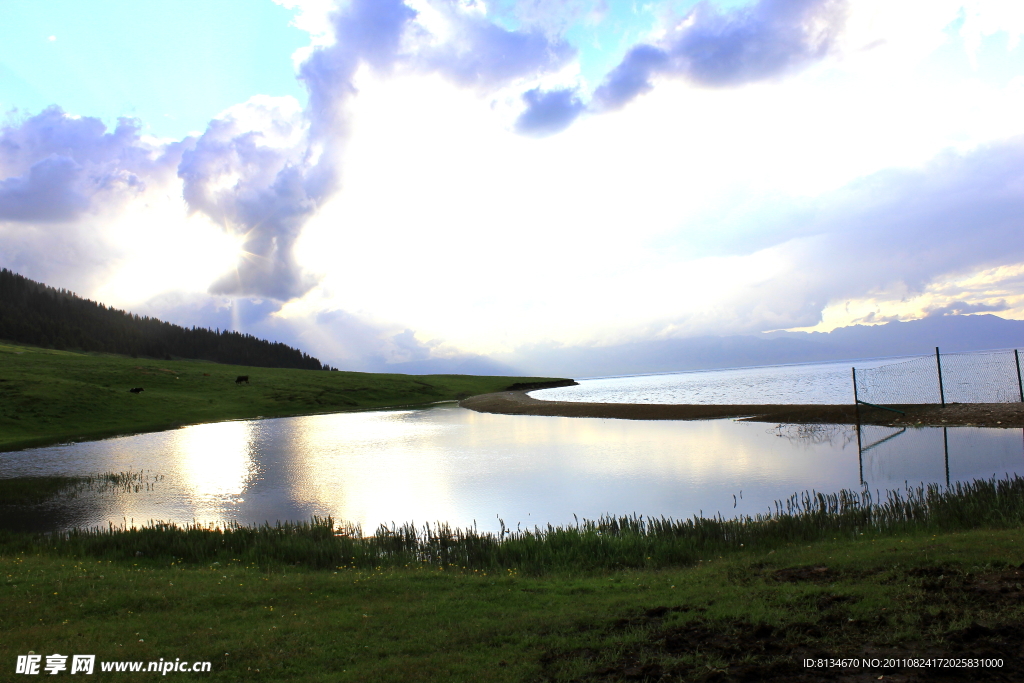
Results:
973 377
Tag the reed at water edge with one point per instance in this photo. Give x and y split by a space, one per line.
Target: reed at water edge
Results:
32 490
606 543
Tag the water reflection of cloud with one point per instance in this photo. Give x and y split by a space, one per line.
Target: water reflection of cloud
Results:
452 464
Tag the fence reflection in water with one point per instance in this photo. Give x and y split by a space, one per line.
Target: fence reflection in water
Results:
934 454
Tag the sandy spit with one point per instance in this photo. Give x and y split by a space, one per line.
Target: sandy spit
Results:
1006 415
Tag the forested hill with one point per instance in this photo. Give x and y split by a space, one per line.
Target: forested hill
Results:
34 313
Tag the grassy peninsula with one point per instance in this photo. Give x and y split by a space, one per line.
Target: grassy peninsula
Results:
48 396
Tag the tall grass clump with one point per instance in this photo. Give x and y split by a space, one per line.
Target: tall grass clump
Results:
605 543
34 490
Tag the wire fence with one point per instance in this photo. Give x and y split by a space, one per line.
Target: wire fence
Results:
971 377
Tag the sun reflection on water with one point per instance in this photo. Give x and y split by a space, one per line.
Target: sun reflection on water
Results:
369 468
216 462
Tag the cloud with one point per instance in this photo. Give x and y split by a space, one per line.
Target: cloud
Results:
476 52
631 77
548 112
262 169
964 308
771 38
63 181
336 337
960 212
56 167
554 17
728 48
46 193
895 234
366 31
873 318
249 173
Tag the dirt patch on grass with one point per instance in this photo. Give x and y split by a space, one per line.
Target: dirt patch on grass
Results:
959 414
703 649
795 574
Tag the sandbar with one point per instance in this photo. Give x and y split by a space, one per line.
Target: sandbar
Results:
1001 415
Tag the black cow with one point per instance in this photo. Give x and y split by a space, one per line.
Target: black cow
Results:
242 378
136 390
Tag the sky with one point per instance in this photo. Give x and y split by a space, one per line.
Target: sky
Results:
382 182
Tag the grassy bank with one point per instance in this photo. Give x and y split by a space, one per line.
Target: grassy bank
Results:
748 615
49 396
606 544
927 572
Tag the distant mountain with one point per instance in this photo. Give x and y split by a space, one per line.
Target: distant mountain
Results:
36 314
951 333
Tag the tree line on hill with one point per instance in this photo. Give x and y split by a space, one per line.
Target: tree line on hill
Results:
40 315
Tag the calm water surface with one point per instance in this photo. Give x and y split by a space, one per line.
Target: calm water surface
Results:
817 383
450 464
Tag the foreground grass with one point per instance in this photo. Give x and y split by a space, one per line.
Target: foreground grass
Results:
49 396
609 543
925 573
746 616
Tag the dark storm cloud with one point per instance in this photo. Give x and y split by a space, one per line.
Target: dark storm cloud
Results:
548 112
55 167
728 48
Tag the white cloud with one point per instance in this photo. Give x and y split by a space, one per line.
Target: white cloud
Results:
870 177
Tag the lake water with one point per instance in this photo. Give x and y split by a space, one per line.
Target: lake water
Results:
817 383
450 464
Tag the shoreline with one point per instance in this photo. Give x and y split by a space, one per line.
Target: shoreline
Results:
997 415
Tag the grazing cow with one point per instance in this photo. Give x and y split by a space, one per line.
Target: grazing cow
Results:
136 390
242 378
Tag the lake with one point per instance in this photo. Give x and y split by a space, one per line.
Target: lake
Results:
974 377
809 383
446 463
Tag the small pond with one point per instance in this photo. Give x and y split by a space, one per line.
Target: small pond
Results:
450 464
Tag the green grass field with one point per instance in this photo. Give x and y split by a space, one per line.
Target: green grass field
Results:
49 396
927 573
747 615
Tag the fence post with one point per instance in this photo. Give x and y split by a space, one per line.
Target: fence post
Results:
856 399
1020 385
938 364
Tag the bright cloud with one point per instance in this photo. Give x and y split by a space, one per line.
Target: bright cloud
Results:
454 186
